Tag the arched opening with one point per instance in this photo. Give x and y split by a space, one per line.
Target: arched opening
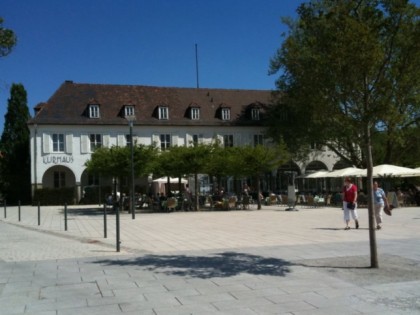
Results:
58 176
286 175
341 164
315 166
58 186
315 185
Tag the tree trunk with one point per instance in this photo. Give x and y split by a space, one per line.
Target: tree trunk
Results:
196 193
371 212
258 193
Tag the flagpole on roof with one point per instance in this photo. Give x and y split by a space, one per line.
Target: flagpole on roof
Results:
196 65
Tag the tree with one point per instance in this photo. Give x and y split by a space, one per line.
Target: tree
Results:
7 40
179 161
171 163
197 157
349 69
115 162
219 163
257 161
14 145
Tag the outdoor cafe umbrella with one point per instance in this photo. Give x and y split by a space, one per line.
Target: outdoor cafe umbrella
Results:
319 174
159 184
171 180
349 171
387 170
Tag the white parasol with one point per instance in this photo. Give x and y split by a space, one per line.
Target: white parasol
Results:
171 180
388 170
349 171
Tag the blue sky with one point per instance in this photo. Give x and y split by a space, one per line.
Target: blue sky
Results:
140 42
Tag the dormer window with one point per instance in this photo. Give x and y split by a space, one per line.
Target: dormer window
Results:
225 113
94 111
255 113
195 113
129 111
163 112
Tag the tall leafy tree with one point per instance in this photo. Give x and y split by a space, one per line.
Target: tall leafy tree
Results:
7 40
14 144
349 69
257 161
196 157
219 163
115 161
179 161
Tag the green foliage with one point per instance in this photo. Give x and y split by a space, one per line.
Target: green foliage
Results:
172 162
256 161
350 68
116 161
14 145
219 163
346 66
180 161
7 40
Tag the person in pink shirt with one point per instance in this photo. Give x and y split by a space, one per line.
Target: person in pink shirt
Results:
350 203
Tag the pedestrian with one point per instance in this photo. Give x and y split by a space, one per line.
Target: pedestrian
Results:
187 198
379 202
350 203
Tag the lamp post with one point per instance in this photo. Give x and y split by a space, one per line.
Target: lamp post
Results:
132 205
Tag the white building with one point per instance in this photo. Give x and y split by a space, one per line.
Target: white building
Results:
81 117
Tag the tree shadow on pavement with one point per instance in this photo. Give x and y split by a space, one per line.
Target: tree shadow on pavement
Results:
356 269
225 264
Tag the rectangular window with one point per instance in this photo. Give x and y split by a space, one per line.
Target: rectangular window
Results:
95 141
225 113
195 113
165 141
255 114
258 140
228 140
129 111
94 111
163 113
58 142
59 179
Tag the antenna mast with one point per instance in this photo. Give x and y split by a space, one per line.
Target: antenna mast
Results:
196 65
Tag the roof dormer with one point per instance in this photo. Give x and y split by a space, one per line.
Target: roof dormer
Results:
223 112
93 109
161 112
254 111
128 110
193 112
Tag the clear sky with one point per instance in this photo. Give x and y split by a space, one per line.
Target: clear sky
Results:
140 42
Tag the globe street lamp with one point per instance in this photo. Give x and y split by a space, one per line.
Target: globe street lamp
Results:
130 120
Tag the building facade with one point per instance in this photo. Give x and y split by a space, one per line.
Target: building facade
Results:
78 118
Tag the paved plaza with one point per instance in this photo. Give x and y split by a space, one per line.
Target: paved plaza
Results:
267 261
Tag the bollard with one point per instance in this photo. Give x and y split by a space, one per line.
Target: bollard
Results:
19 210
117 221
65 217
5 209
39 213
105 225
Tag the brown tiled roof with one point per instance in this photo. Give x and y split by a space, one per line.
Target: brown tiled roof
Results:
68 105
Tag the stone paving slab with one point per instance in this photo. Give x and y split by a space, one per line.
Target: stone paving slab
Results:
240 262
